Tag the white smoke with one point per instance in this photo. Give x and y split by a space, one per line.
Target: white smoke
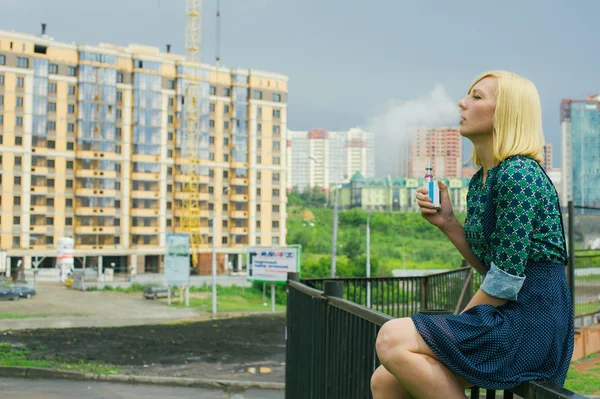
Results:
395 127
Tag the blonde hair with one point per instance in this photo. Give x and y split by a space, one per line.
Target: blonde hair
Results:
517 118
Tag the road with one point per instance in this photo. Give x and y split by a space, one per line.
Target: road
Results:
49 389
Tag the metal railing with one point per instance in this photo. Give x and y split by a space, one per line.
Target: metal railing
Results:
330 350
404 296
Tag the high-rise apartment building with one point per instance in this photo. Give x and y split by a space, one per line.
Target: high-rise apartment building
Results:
580 127
319 158
91 142
442 145
547 156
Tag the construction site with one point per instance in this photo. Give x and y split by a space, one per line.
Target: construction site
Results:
115 147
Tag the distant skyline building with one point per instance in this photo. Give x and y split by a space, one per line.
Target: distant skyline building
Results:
580 129
443 145
547 156
318 158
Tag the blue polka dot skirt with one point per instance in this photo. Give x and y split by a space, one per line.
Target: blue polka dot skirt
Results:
501 347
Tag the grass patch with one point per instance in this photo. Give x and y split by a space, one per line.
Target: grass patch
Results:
586 382
10 356
230 299
585 308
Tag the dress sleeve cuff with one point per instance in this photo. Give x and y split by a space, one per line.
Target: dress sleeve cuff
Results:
500 284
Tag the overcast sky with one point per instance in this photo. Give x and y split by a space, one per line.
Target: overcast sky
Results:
351 63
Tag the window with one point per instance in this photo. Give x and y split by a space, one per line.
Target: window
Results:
71 108
226 92
258 175
69 202
225 174
258 95
225 141
20 81
259 111
117 204
69 183
225 207
16 241
276 129
224 240
50 163
119 77
224 223
211 123
18 161
20 102
50 221
226 109
169 205
17 180
276 161
277 97
51 107
211 173
22 62
19 121
258 224
52 88
53 69
170 118
276 145
212 107
1 100
68 221
258 208
119 114
71 90
211 207
17 201
171 101
213 90
72 71
211 140
258 159
211 189
211 156
275 208
70 165
51 144
51 126
226 125
257 240
275 192
171 84
1 119
276 240
70 145
49 240
170 153
18 140
275 176
226 157
275 224
49 182
276 113
70 127
169 136
2 60
258 192
1 80
259 127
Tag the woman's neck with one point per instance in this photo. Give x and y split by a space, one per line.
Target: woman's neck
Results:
485 153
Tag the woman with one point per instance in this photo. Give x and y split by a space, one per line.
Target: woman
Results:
519 325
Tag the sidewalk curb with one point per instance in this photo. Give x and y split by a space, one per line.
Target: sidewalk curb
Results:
41 373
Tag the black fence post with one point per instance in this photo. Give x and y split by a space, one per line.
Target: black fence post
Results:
424 293
571 264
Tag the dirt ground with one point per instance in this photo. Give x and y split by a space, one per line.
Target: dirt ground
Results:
224 348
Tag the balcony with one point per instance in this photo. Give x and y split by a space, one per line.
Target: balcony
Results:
43 209
144 212
81 210
42 189
145 176
111 230
238 230
239 181
38 229
145 230
145 194
239 197
98 155
183 178
94 192
239 214
196 196
106 174
145 158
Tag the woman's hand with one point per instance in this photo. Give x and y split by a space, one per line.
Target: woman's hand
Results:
443 218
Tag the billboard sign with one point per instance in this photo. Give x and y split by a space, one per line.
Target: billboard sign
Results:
272 264
177 259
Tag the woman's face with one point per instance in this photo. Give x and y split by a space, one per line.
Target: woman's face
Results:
477 108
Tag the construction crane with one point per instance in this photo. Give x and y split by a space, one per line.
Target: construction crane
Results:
190 219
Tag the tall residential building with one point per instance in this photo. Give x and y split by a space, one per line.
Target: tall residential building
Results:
547 156
91 142
580 126
319 158
442 145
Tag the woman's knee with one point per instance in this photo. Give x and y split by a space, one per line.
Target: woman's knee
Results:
393 338
382 381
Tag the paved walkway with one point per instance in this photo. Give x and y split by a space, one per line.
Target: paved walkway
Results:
51 389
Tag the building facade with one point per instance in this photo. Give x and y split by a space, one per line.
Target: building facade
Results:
319 158
547 156
443 146
395 194
580 128
91 140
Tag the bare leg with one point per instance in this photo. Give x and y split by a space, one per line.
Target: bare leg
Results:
386 386
407 357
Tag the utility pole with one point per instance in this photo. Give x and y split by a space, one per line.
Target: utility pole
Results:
368 261
334 238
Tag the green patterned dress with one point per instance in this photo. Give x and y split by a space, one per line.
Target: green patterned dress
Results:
514 227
